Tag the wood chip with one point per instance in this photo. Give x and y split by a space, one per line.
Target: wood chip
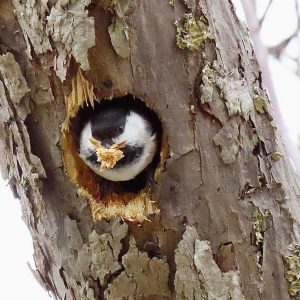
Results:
108 157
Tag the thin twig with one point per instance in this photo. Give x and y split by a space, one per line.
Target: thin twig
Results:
298 36
279 48
265 13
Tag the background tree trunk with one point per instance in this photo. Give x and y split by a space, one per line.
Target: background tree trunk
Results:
225 224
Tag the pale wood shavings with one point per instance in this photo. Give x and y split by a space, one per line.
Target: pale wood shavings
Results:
132 207
108 157
82 93
79 172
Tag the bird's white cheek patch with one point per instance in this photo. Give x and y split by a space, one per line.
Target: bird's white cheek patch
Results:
104 201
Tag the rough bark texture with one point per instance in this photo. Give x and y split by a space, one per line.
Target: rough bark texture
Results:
228 226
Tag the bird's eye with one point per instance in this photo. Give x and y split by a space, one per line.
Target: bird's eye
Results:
120 129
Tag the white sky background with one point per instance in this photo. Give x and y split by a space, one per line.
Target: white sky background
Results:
17 281
16 246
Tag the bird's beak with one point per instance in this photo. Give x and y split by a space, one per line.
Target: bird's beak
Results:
106 142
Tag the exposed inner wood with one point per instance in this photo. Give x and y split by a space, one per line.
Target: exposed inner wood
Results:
135 207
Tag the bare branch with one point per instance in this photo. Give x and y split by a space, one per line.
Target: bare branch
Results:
279 48
265 13
298 36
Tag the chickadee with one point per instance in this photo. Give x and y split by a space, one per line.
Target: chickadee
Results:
115 124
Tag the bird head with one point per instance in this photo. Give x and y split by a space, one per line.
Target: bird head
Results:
115 125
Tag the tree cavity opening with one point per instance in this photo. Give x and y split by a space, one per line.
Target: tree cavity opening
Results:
132 200
144 178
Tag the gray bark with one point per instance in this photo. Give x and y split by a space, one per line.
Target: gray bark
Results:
222 221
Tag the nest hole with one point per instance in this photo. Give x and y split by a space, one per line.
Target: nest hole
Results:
147 176
131 200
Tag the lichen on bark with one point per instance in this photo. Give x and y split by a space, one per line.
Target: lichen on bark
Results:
191 32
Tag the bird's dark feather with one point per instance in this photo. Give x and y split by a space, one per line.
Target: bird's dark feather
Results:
108 123
130 154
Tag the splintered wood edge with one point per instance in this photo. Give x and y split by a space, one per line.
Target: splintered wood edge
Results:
137 209
164 153
82 93
128 206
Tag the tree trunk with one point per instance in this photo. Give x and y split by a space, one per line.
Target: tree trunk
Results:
221 218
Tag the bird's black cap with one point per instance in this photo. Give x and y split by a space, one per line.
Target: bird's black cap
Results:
108 123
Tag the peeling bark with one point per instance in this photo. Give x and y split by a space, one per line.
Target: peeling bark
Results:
222 219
